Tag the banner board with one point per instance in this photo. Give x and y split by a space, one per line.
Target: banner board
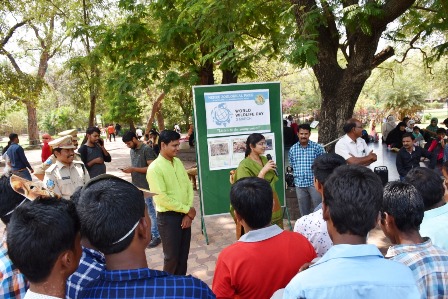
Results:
225 115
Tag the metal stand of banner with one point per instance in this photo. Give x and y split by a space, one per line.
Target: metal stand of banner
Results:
286 211
203 228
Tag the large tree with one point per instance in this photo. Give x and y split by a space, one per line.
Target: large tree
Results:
42 19
354 28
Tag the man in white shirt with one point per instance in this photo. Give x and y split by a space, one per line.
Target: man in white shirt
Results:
352 147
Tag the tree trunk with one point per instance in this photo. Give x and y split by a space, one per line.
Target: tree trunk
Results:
206 73
156 107
131 126
340 87
33 131
160 119
229 76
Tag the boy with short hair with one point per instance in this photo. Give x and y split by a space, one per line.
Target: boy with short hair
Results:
44 243
115 220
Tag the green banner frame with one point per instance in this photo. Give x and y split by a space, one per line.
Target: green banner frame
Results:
214 185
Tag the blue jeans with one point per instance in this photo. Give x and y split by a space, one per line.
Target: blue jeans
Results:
153 217
308 198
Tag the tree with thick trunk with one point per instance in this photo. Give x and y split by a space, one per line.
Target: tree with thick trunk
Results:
361 26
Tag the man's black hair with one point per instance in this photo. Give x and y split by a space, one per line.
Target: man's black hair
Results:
416 128
166 136
13 136
324 165
408 134
251 197
405 204
304 127
129 136
108 208
428 183
441 131
353 195
92 130
252 139
9 199
349 125
39 231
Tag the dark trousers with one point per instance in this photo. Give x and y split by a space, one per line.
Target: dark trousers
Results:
175 242
110 136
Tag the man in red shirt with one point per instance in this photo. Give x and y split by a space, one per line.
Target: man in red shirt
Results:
46 150
111 131
264 259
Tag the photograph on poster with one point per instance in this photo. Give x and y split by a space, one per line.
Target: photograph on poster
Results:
232 112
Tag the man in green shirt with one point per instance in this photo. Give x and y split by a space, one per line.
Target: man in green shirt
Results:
168 179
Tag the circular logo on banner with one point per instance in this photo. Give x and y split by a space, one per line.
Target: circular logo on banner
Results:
259 100
221 115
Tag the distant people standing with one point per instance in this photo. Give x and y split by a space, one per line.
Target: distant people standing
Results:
111 131
395 137
154 136
139 133
46 150
17 159
388 126
289 138
93 153
117 129
177 128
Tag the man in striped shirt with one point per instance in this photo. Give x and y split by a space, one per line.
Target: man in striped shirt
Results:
401 215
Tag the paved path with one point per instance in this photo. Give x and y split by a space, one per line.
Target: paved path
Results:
220 228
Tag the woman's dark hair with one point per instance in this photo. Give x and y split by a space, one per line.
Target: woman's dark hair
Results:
6 147
253 139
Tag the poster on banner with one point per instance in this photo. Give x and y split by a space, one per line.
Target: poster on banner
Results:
228 152
234 112
219 153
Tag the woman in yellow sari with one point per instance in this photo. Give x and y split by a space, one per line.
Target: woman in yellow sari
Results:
257 165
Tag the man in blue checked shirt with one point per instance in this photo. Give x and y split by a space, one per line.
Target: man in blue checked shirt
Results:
92 263
301 158
401 215
115 220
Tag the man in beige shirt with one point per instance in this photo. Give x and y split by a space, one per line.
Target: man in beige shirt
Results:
65 175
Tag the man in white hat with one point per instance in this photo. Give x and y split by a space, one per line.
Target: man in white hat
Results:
65 175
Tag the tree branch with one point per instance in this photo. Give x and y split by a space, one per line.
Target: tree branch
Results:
392 9
382 56
12 60
11 32
425 9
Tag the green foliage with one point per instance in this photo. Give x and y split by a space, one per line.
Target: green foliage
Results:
359 16
18 87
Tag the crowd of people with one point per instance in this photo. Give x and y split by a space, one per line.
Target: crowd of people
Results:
86 235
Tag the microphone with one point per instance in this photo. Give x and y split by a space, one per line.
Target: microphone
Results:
269 159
